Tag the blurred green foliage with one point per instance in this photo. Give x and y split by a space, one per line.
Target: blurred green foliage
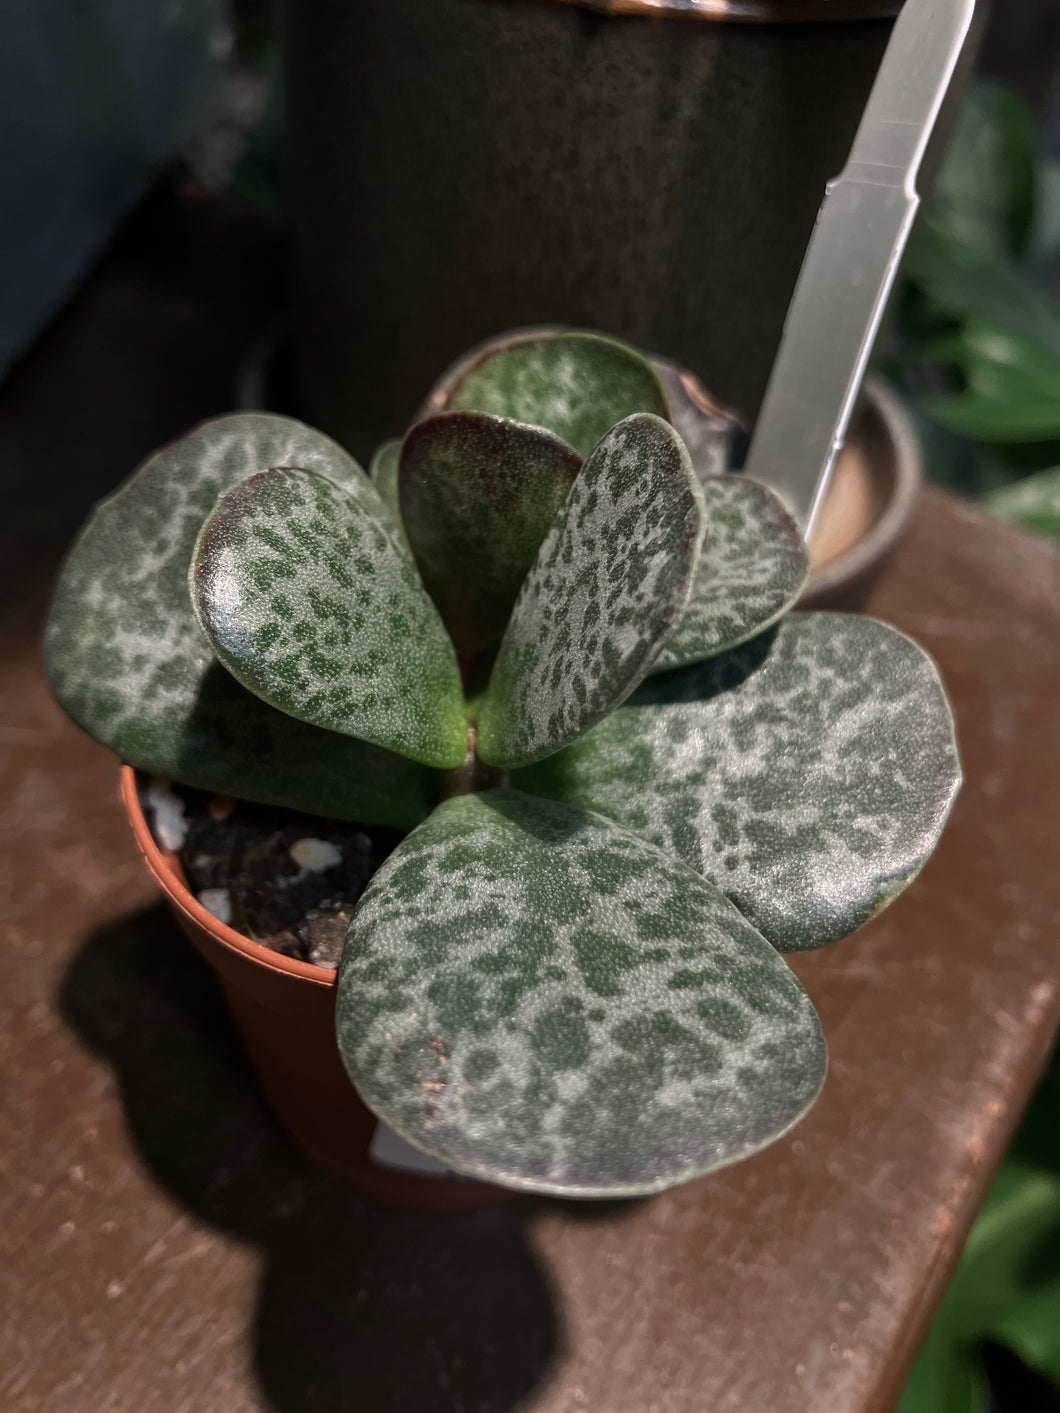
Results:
1033 503
975 341
1006 1291
976 349
259 176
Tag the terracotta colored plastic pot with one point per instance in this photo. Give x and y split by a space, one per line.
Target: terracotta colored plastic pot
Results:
285 1012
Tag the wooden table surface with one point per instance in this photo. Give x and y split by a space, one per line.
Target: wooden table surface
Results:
165 1249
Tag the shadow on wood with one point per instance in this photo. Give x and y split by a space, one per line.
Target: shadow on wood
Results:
358 1306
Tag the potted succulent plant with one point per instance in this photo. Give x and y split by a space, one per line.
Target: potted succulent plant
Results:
561 663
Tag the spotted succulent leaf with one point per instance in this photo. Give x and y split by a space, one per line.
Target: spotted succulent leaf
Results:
753 566
807 774
611 578
478 494
540 998
578 385
129 663
311 601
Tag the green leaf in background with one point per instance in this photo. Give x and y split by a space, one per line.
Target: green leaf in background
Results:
964 283
612 577
127 659
1037 1141
985 268
384 476
578 385
1006 1289
1031 1329
985 192
1043 251
1013 387
311 601
1019 1221
753 566
946 1378
976 346
787 772
478 495
539 998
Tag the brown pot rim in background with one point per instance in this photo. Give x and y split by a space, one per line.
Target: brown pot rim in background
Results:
747 11
884 431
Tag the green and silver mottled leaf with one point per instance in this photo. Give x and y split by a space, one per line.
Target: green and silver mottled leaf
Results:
384 474
312 602
540 998
578 385
478 495
127 659
753 566
612 577
807 774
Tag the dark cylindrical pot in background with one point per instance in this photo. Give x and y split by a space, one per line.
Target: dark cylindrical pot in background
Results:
460 167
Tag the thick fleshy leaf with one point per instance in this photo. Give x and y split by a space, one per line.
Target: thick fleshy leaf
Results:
609 582
807 774
540 998
578 385
312 602
129 663
384 474
478 495
753 566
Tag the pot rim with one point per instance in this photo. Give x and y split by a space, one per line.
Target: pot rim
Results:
880 403
746 11
165 869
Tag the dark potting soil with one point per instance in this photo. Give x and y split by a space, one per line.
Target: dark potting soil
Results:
289 881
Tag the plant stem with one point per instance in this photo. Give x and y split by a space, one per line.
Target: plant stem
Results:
472 777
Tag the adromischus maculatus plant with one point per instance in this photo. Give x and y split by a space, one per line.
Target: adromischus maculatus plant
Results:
540 643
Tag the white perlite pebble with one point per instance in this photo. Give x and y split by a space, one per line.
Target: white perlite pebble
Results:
170 825
315 855
217 902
